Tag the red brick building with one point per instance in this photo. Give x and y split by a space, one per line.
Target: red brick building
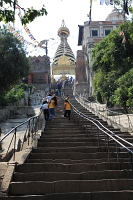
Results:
80 70
40 71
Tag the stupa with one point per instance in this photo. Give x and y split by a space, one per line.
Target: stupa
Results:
64 59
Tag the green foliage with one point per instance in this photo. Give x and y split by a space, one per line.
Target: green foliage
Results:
31 14
113 66
99 97
109 53
14 95
25 87
8 13
98 80
119 4
7 16
14 65
123 95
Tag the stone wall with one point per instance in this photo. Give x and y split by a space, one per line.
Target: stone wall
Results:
81 88
14 112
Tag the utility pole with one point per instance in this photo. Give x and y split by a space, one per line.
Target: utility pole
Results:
46 47
45 42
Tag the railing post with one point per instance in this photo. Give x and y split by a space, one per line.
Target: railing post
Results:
37 124
28 131
77 118
105 140
33 128
117 155
119 119
131 155
128 121
98 138
91 130
14 150
82 123
86 128
108 152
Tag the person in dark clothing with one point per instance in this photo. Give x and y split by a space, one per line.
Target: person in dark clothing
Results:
59 85
55 98
56 91
45 109
67 109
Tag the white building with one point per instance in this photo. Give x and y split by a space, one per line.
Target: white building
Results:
92 33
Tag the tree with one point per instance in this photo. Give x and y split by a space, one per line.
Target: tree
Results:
14 65
123 95
111 60
8 7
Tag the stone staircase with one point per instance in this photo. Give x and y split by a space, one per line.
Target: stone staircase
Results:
68 164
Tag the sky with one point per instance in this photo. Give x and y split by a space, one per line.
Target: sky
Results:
73 12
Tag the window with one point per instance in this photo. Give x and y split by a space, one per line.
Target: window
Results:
37 61
107 32
90 46
94 33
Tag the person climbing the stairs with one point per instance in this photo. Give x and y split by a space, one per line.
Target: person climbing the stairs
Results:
55 98
67 98
67 109
51 108
45 108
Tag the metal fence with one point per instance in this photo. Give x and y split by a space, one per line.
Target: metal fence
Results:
123 121
15 144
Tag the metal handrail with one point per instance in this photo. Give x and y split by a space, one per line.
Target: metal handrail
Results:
115 119
96 122
33 125
101 126
108 135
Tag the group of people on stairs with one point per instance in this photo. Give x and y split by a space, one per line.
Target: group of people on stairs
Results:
49 107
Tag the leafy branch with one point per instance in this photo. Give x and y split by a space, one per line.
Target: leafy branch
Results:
8 14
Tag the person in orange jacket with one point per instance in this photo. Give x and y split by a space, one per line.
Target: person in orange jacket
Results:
51 106
67 109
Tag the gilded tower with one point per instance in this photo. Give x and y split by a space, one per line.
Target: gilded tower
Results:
64 59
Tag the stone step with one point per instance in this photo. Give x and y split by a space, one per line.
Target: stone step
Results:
72 144
63 135
77 155
81 134
108 127
61 125
67 186
68 164
81 149
124 136
69 161
117 136
63 130
86 139
73 168
55 176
